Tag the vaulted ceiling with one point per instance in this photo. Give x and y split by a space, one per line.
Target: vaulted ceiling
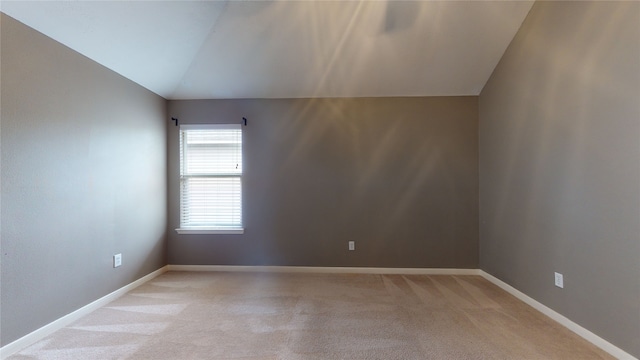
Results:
286 49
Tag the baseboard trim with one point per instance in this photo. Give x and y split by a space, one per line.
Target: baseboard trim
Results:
561 319
58 324
324 270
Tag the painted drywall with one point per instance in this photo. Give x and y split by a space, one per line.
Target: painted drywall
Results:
560 165
398 176
83 177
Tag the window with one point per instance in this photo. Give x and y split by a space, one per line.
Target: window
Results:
210 179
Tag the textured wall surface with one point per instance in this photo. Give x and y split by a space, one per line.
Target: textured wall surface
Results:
83 177
398 176
560 165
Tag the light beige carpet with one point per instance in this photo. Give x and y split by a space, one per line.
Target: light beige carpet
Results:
189 315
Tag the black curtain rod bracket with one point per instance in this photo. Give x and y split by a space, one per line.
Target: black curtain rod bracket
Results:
175 119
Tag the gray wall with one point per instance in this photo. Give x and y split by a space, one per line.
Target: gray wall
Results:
560 165
83 177
397 175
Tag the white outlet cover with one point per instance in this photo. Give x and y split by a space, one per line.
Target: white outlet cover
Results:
117 260
352 245
559 280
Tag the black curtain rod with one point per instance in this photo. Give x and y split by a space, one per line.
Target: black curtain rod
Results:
244 120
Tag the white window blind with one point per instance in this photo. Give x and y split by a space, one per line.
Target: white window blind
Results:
211 177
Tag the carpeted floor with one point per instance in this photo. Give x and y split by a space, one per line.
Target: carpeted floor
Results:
218 315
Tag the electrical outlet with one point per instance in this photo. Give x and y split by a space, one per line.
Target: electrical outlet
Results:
352 245
559 280
117 260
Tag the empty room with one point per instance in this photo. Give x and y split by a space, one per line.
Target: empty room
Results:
319 180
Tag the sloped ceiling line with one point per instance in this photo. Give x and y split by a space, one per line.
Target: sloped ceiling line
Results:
184 82
286 49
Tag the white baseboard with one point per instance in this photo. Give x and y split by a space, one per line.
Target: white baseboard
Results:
324 270
564 321
48 329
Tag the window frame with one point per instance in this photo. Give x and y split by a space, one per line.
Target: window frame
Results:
195 230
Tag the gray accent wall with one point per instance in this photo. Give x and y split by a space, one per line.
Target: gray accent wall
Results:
560 165
399 176
83 161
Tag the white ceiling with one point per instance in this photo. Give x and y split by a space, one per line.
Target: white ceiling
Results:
286 49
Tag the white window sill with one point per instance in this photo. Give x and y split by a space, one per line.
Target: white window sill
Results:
202 231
